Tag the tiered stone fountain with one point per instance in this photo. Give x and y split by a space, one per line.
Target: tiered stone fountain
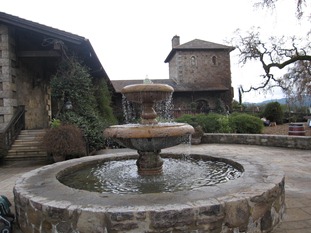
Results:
149 137
254 202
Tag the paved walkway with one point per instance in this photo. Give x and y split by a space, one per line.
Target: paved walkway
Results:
295 163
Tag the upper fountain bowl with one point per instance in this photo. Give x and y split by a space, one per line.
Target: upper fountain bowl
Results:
142 93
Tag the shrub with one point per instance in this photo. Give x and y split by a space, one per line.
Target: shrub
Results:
187 118
55 123
273 112
65 140
217 123
245 123
210 123
224 125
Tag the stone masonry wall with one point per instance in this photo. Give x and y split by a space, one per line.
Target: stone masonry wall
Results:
8 101
210 68
22 84
34 93
207 68
296 142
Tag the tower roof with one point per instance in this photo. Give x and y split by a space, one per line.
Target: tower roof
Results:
197 44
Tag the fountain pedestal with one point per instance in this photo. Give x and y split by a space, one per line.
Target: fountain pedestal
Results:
149 162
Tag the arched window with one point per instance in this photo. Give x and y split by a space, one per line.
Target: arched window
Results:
214 60
202 106
193 61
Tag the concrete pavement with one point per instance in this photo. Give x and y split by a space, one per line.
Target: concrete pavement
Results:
295 163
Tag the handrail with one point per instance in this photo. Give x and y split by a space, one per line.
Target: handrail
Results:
12 130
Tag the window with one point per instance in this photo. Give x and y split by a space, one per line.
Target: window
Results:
214 60
193 61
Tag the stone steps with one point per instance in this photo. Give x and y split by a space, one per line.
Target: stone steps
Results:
27 147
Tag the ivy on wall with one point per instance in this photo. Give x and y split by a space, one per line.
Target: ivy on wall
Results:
88 97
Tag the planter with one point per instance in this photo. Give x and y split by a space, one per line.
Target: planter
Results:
296 129
196 140
197 136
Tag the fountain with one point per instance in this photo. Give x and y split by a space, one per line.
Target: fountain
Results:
149 137
254 202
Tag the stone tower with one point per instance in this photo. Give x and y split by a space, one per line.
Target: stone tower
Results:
201 65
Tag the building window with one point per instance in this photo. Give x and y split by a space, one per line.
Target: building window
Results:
214 60
193 61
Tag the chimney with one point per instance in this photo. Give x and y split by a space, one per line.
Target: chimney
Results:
175 41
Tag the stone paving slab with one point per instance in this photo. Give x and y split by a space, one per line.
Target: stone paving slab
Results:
295 164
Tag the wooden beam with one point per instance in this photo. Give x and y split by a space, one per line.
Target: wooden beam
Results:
42 53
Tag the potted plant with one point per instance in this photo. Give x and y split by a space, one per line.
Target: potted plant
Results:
64 142
196 138
198 130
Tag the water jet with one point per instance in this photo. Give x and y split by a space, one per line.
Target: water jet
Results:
149 137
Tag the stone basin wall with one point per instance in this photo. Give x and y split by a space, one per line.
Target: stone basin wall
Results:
256 214
255 202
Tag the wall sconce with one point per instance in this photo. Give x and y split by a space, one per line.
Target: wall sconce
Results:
68 105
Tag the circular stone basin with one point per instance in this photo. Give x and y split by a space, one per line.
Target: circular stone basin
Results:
253 203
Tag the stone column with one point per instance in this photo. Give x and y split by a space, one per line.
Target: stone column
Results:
8 101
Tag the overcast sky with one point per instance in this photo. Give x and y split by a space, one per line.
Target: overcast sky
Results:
132 38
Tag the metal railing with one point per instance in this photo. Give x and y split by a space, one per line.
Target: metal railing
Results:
12 130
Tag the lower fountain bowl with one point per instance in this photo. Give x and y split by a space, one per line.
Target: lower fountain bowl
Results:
149 137
255 202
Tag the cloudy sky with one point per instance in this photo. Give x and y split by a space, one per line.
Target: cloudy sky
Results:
133 37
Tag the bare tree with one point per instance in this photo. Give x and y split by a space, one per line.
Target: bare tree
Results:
298 79
290 52
300 6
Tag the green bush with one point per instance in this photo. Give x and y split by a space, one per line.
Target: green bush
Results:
217 123
245 123
210 123
187 118
55 123
224 125
273 112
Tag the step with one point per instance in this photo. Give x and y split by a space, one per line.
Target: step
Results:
27 143
27 146
33 157
29 154
32 131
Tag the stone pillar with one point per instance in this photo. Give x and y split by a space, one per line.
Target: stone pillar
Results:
8 101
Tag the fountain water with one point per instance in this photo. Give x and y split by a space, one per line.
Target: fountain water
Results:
149 137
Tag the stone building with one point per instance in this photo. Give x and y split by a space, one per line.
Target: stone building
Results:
199 72
29 55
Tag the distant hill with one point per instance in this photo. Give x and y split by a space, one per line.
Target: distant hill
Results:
305 102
